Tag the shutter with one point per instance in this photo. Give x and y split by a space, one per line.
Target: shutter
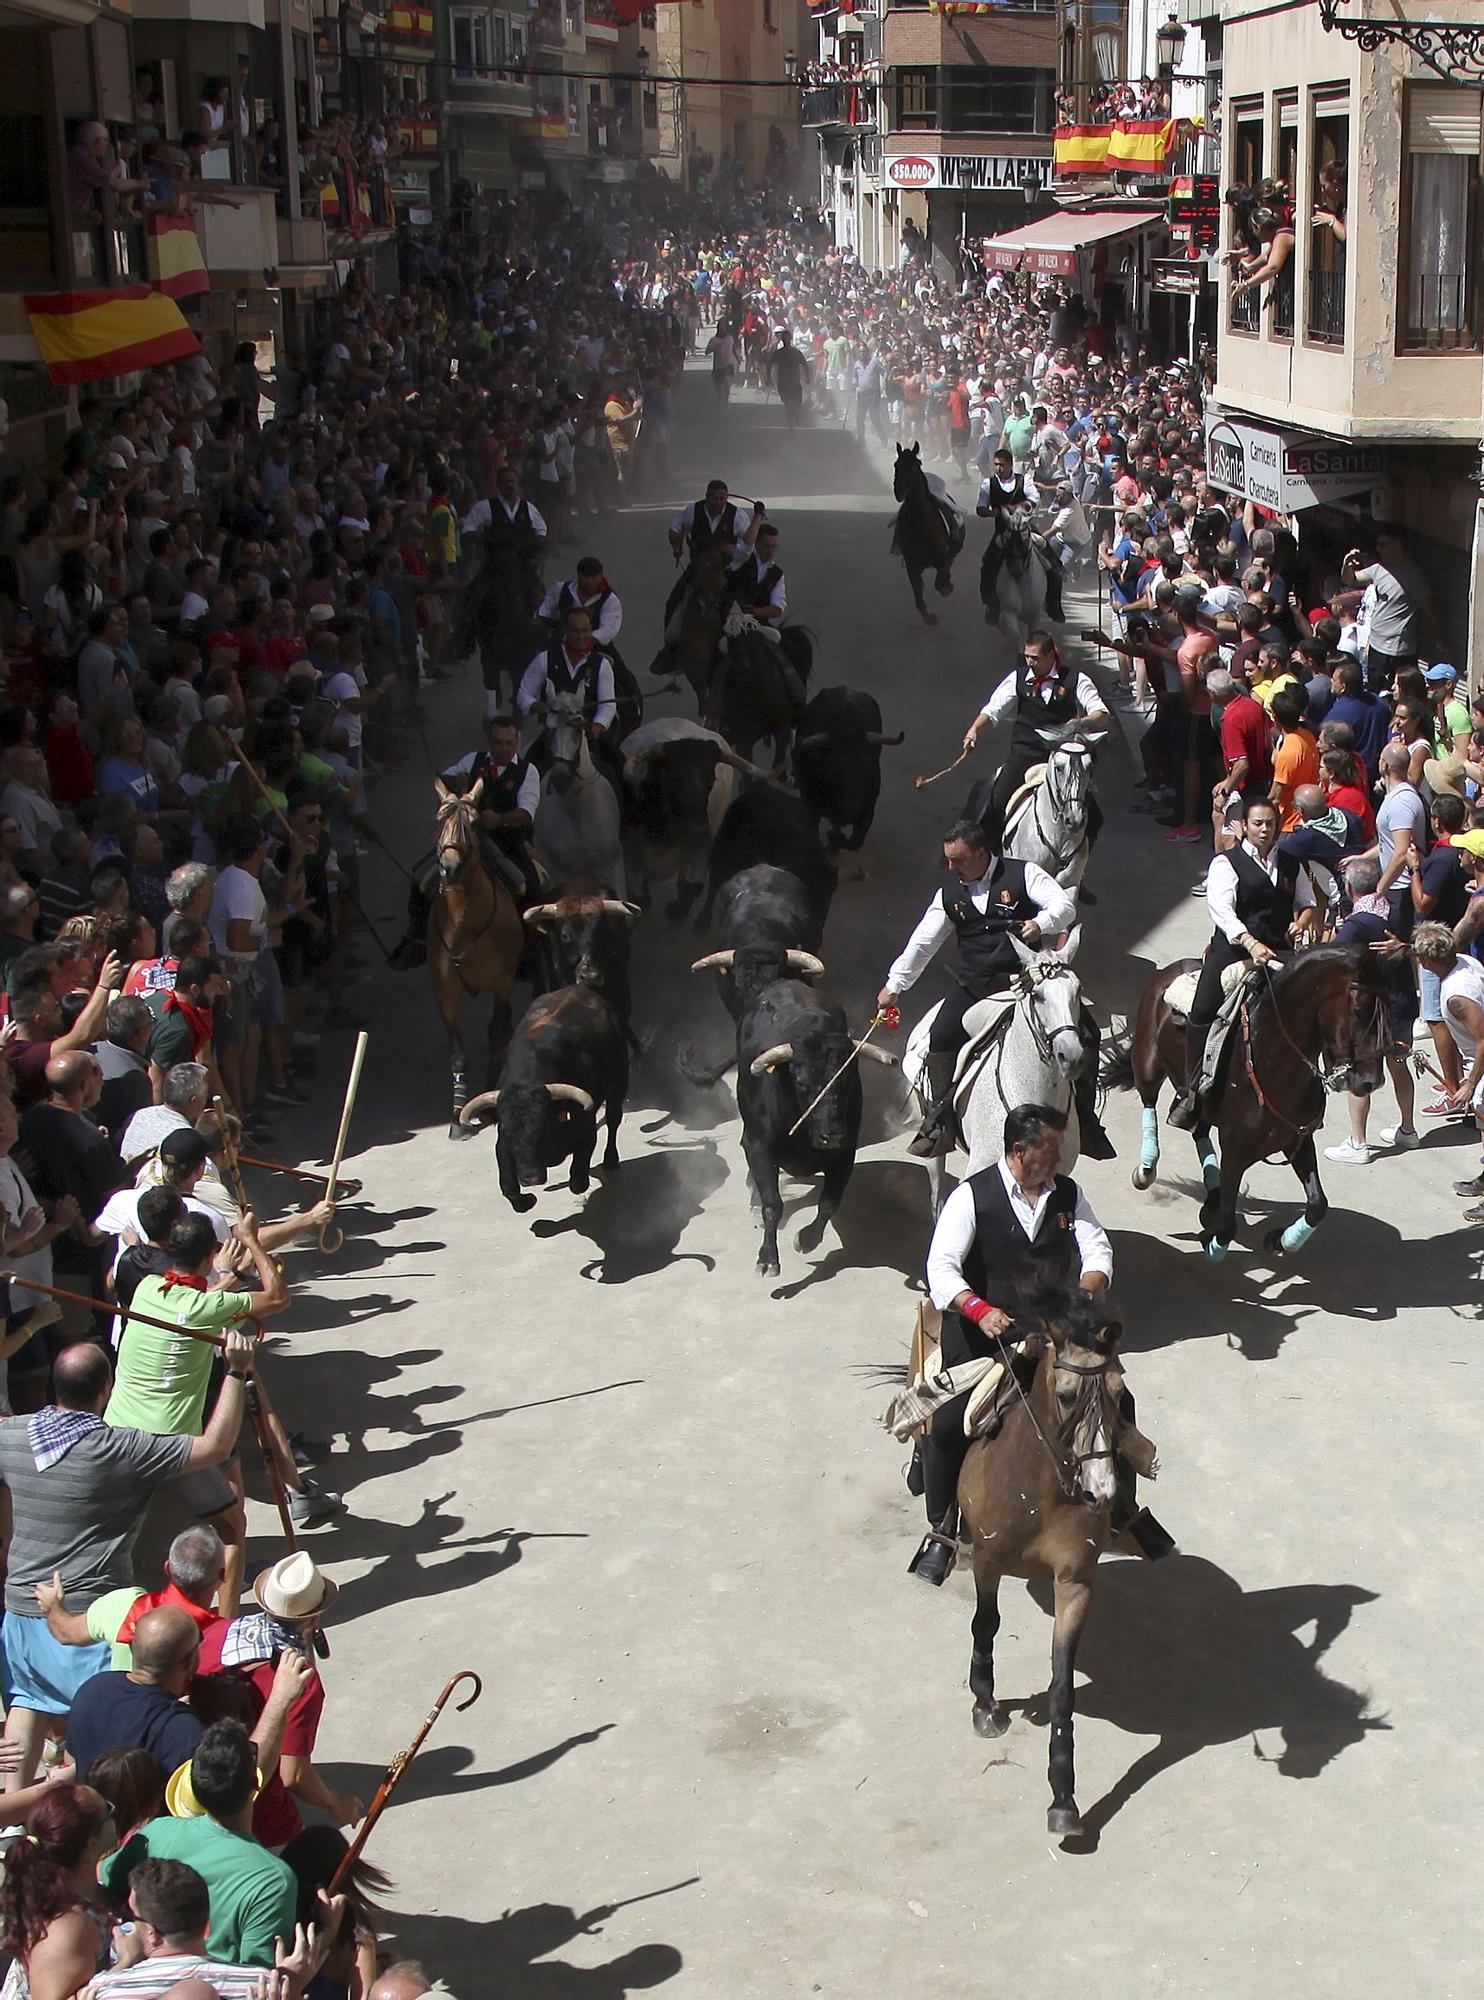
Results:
1442 119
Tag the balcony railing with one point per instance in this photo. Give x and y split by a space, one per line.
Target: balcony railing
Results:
1282 290
1325 320
1441 312
1246 312
839 104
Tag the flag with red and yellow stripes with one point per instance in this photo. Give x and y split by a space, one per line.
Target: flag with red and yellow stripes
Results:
1140 143
85 336
176 266
1080 149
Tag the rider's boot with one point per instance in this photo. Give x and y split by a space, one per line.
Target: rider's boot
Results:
937 1552
1053 593
1185 1111
412 948
1096 1145
935 1134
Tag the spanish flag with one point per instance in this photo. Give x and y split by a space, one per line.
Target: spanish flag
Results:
176 266
1140 143
85 336
1080 149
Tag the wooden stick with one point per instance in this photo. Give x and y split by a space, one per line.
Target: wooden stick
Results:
947 769
270 1463
330 1238
277 810
345 1186
395 1772
127 1312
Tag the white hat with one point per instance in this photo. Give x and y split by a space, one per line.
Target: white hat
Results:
293 1587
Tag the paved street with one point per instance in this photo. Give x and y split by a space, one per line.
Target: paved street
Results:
589 1453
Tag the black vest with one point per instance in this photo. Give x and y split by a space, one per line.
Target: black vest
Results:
1011 494
567 597
1002 1255
1265 907
1033 711
702 534
564 680
751 584
985 952
501 788
510 545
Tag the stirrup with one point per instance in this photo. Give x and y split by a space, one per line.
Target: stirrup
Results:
1185 1113
935 1536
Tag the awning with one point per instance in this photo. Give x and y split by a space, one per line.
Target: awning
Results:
1051 245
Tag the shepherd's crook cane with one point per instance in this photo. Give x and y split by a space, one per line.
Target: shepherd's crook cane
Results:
331 1238
395 1772
884 1019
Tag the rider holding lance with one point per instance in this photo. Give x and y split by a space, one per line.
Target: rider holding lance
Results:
1004 494
1252 892
1042 693
1018 1222
987 903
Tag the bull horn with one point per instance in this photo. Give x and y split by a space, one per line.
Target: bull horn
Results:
780 1053
617 909
805 961
542 913
880 1055
880 742
486 1098
815 742
715 961
570 1094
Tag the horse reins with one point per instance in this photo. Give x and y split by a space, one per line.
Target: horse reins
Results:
1314 1067
456 958
1069 1488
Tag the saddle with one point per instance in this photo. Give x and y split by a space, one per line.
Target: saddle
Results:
1237 982
1021 797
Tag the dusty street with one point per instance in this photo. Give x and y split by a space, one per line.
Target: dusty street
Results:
589 1453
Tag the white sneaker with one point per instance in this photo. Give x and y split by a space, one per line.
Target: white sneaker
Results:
1349 1154
1400 1137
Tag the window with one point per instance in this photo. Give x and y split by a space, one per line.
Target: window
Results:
1285 169
1007 100
572 17
1329 163
471 49
1246 172
769 21
916 99
517 40
1439 278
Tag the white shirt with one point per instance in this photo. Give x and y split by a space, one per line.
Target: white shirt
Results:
607 622
1055 912
526 799
1466 981
1002 702
954 1236
1221 891
147 1130
776 595
237 895
483 512
33 812
731 515
533 685
1028 485
342 687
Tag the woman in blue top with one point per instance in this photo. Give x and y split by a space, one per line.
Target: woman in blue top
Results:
125 766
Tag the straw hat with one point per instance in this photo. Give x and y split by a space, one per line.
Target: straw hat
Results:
293 1587
1443 775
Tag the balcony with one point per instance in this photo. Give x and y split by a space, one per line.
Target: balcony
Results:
488 91
847 105
1124 134
239 238
1325 319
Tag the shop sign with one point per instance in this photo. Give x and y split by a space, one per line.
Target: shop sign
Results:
1285 470
968 173
1177 274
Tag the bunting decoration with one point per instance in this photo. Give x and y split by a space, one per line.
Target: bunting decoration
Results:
87 336
176 266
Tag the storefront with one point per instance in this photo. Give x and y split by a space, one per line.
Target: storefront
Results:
1099 253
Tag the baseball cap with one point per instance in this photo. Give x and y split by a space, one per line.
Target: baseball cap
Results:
1441 670
1471 842
185 1149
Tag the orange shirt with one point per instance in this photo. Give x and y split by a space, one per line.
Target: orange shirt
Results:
1295 763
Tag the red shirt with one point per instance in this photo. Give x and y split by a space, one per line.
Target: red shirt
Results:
275 1817
1353 799
282 649
1247 732
68 765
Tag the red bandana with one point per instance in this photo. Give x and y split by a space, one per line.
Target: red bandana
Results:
172 1595
198 1020
182 1278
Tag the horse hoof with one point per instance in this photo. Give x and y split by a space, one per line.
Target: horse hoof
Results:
1143 1177
1215 1251
1273 1243
991 1721
1065 1822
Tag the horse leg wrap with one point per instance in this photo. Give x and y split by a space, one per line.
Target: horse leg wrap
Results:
1210 1166
1297 1234
1216 1251
1149 1146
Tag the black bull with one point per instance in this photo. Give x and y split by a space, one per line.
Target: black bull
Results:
568 1061
789 1045
837 761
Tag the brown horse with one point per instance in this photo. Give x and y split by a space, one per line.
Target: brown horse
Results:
1319 1021
1037 1501
475 937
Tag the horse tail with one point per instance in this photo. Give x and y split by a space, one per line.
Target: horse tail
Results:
798 642
1116 1069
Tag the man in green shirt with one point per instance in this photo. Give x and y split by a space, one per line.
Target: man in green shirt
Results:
254 1895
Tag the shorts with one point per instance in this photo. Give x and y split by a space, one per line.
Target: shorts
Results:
206 1492
40 1672
35 1358
1430 987
265 991
231 1018
958 435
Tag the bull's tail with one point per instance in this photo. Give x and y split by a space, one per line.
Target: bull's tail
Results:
1116 1069
798 642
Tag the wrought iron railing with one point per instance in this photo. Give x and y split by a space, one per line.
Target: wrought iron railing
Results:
1441 311
1325 319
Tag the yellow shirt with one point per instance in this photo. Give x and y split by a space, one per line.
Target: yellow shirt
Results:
1264 691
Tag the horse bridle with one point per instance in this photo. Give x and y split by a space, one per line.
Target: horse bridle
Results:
1326 1076
1061 804
459 809
1059 1458
1024 986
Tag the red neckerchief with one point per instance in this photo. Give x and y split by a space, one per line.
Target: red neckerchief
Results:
198 1020
182 1278
201 1615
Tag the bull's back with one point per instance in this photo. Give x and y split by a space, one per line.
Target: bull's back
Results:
570 1036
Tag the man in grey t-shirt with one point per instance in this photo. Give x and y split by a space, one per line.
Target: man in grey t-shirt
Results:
1397 607
1401 818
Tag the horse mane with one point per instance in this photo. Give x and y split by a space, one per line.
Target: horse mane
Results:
1357 959
1064 1313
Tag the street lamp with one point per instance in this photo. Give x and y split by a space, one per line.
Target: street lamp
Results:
1169 43
790 66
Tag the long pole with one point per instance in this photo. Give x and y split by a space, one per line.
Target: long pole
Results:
330 1238
103 1306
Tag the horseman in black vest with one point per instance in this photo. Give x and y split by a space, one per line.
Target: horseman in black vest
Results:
1017 1223
986 903
507 811
1042 693
705 522
755 583
1252 892
1004 494
502 598
590 589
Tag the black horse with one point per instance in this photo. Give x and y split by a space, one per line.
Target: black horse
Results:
926 535
749 697
1321 1020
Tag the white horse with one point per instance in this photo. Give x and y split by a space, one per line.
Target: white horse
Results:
1024 1047
1049 823
578 825
1021 586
